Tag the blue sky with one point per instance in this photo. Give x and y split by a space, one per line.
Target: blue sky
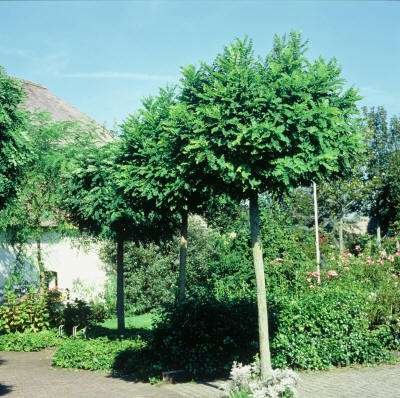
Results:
103 57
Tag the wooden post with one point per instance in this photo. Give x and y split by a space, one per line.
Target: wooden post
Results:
120 287
316 227
265 355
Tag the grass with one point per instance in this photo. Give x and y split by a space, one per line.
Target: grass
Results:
136 325
144 321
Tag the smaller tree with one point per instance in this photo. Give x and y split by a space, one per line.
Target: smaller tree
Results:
13 151
267 125
154 163
96 204
35 209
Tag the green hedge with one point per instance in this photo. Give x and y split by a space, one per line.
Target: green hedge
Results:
93 354
29 341
325 327
317 329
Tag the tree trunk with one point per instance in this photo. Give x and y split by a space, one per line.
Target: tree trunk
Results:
397 244
42 271
316 227
378 234
265 355
120 287
341 240
182 257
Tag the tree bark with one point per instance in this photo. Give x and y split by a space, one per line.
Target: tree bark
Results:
316 227
182 258
41 268
265 355
341 240
120 287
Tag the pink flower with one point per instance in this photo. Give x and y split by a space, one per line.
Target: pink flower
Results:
332 274
391 258
357 248
397 254
314 274
369 260
381 261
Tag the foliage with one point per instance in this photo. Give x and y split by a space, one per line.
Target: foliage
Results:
389 196
13 152
219 262
151 270
272 123
28 313
93 354
81 314
29 341
205 337
245 382
384 141
325 327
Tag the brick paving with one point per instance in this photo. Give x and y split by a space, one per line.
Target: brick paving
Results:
364 382
24 375
30 375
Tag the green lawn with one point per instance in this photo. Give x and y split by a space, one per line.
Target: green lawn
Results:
131 322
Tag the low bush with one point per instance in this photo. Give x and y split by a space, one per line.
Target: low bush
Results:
318 328
323 328
94 354
29 341
28 313
204 338
81 314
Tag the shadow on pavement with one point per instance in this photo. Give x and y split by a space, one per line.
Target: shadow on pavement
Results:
4 389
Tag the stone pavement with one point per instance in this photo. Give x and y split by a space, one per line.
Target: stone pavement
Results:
29 375
362 382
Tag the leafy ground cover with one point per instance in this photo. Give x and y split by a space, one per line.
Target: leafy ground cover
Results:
29 341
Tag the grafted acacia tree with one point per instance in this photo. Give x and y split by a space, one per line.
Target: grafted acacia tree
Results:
97 205
267 125
13 152
35 208
154 163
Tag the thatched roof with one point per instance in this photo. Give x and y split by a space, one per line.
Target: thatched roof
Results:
40 99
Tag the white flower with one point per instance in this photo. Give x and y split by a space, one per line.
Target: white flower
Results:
247 378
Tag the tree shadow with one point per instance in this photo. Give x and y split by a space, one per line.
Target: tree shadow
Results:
130 333
5 389
202 337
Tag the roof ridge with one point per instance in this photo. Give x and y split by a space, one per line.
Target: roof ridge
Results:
33 83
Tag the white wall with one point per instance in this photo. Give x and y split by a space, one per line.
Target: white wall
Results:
67 259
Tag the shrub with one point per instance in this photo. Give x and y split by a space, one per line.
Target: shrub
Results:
29 341
81 314
315 329
325 327
55 307
93 354
204 338
22 314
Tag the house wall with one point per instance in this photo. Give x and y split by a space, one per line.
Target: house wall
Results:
78 268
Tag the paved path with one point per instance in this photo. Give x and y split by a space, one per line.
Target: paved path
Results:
364 382
29 375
